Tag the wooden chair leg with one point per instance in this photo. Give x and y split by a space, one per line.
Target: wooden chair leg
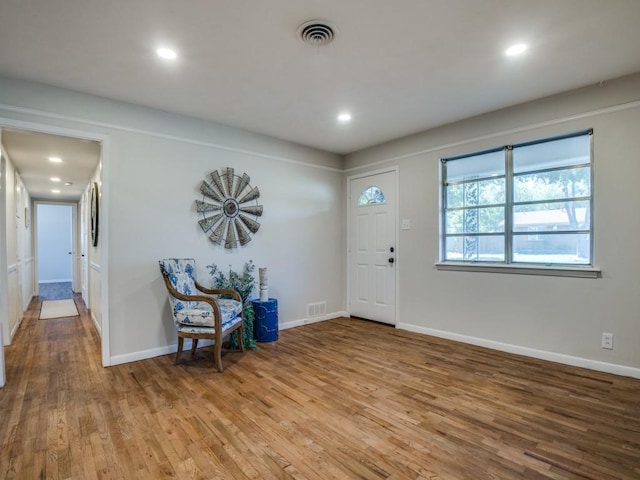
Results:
180 344
240 342
194 345
217 352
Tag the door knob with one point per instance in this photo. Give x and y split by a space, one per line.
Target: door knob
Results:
391 260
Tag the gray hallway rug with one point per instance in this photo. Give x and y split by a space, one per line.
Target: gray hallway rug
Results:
55 291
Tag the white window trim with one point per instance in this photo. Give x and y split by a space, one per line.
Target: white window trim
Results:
556 270
519 269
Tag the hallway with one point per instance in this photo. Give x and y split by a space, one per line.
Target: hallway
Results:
53 376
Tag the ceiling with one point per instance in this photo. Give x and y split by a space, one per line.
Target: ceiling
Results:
30 151
398 67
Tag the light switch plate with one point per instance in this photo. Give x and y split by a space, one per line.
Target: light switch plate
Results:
406 224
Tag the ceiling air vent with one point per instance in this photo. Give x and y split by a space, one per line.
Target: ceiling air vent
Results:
316 33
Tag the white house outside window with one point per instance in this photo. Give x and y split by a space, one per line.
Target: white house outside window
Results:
523 204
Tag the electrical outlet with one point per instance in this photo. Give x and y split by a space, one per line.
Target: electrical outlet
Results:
607 341
406 224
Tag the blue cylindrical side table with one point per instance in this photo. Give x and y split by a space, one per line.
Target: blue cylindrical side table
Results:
265 324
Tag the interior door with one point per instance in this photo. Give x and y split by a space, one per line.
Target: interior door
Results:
76 282
55 242
372 247
19 239
84 251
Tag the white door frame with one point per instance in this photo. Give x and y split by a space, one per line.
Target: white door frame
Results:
83 244
104 221
395 170
74 241
4 290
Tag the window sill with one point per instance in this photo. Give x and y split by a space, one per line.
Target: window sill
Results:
553 271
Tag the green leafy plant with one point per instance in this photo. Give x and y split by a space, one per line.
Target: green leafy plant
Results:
244 284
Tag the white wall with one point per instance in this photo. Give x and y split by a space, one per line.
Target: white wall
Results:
19 288
24 233
4 301
93 253
11 246
156 162
557 318
152 173
54 243
300 241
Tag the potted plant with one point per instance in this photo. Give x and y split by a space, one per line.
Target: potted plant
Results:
243 283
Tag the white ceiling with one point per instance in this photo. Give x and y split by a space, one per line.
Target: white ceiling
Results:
30 151
398 66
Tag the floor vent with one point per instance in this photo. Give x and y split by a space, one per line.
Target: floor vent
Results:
316 309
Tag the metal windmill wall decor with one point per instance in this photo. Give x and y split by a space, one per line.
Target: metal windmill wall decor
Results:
229 208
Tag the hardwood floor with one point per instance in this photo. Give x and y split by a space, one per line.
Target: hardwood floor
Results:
343 399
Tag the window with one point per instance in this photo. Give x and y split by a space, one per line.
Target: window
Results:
371 196
522 204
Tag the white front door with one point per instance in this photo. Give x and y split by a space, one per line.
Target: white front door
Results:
372 247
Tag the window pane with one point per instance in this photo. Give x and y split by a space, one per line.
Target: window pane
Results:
371 196
478 166
488 192
454 221
551 217
553 154
570 248
476 220
475 249
574 182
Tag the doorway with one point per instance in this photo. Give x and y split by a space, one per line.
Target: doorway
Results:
98 167
372 247
55 240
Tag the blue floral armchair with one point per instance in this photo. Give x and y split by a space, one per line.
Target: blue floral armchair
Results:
197 312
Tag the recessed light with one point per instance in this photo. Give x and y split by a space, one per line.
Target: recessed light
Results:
344 117
55 191
514 50
67 184
55 179
167 53
55 159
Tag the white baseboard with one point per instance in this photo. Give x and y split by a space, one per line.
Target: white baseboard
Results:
95 323
19 322
166 350
15 329
57 280
528 352
309 321
481 342
156 352
24 310
3 376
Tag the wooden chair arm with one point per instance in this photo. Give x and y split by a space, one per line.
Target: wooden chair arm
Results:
219 291
194 298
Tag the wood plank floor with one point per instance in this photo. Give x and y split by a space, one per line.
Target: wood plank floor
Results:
343 399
